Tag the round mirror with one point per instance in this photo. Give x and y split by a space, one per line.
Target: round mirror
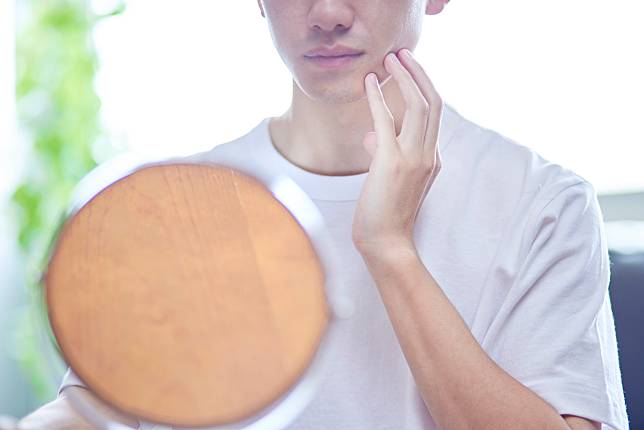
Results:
194 296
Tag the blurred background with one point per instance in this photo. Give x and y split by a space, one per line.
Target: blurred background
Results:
82 82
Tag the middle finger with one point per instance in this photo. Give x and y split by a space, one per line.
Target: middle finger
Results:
417 108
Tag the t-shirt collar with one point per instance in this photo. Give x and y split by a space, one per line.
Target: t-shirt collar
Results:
334 187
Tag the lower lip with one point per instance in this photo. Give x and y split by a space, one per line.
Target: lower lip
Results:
333 62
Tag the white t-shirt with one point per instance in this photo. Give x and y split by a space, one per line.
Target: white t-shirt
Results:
517 244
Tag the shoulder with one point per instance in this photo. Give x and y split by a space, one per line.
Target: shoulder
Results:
238 150
503 164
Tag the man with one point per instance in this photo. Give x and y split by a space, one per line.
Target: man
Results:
480 270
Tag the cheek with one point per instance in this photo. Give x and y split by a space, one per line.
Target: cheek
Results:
284 33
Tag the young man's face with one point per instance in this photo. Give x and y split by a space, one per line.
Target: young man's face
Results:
374 27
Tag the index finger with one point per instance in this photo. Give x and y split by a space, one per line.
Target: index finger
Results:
383 120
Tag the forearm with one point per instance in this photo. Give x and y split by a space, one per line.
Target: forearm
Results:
60 415
461 385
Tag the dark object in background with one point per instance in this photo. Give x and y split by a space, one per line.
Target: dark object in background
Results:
627 298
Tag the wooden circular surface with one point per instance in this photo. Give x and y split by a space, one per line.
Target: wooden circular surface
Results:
186 294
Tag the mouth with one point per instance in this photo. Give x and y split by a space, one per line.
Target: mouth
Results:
332 62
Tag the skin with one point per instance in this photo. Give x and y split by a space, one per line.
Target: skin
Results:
329 110
342 126
341 123
59 414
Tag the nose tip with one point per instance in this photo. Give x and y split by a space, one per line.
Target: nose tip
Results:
329 16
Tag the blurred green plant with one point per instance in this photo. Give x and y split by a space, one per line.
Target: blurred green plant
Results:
58 115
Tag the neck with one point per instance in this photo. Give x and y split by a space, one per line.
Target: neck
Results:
327 138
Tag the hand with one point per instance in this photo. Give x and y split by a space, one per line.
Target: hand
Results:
8 423
59 414
404 167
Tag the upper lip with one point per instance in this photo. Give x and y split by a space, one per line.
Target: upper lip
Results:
335 51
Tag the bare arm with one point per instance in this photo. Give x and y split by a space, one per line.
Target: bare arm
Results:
60 415
463 388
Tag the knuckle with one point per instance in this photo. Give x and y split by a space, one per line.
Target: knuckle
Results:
428 168
391 123
428 163
399 165
422 106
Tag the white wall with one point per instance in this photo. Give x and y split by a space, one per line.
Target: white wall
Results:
564 78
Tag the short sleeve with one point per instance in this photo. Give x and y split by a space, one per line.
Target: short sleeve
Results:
70 378
555 331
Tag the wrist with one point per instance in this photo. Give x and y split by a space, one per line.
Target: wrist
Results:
387 250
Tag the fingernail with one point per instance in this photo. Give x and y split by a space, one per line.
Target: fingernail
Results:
392 57
406 52
373 79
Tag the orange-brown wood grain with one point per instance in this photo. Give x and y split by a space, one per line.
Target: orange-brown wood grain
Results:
186 294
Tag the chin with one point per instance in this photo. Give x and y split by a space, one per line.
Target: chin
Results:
330 92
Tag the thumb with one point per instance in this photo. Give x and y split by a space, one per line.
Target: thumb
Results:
370 143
